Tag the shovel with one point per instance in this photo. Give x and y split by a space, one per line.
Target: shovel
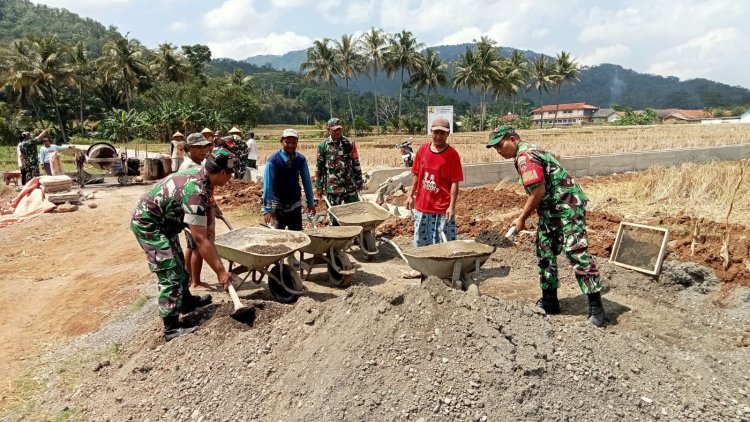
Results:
241 312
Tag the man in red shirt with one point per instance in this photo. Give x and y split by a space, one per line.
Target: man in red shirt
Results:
434 189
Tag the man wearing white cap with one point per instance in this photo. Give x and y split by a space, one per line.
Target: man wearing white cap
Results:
177 150
436 174
282 196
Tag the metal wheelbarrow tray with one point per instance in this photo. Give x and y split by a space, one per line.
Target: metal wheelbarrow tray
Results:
365 214
451 261
327 246
255 249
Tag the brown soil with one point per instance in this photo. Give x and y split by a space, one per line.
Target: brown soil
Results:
488 208
238 193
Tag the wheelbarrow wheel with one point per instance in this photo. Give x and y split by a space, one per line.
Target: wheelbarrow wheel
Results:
278 292
342 262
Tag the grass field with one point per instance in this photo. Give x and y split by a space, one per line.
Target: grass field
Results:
378 150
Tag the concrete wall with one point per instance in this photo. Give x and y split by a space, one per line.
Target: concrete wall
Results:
595 165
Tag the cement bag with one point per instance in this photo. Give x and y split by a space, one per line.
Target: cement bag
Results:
55 162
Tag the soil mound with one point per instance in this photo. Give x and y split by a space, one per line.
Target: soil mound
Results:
238 192
430 353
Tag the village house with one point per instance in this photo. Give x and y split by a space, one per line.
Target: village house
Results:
567 114
606 115
673 116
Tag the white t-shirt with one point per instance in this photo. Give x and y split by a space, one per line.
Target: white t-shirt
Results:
187 163
177 150
252 147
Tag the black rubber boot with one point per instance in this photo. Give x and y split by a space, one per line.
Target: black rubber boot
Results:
173 329
549 302
191 303
596 310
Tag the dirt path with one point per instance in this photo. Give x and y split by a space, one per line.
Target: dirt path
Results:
65 275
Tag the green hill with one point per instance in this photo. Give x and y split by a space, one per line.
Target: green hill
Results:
21 18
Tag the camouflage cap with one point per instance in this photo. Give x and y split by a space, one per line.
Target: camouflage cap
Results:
334 123
499 134
221 159
197 140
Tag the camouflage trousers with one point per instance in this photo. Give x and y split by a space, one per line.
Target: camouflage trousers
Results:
342 198
167 262
565 231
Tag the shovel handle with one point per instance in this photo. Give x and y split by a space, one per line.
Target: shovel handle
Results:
224 219
235 298
512 232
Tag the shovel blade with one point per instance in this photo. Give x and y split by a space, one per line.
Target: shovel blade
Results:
244 314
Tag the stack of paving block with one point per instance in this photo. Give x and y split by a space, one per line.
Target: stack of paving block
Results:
57 189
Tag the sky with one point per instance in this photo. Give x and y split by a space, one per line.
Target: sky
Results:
683 38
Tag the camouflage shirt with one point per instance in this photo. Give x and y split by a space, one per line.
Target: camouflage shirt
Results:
28 149
338 169
179 199
536 166
239 148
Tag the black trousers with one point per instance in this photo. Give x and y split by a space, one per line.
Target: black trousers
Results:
291 219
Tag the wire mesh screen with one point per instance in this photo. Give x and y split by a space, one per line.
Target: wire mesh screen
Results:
640 247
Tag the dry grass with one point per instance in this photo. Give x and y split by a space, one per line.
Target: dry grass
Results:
701 190
378 151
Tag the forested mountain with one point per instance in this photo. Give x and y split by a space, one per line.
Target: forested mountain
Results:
21 18
600 85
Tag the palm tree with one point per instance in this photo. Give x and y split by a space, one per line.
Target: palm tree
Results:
517 63
40 67
321 66
541 74
15 72
488 68
125 57
349 61
168 65
566 70
466 71
431 75
510 79
403 53
372 47
81 73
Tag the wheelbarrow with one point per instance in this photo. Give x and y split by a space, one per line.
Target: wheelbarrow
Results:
365 214
252 250
327 245
453 261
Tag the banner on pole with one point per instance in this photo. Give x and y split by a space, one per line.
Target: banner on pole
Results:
433 112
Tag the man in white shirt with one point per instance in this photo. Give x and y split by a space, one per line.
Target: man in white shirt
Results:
46 151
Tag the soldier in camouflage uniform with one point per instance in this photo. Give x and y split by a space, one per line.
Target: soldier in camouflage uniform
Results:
561 206
238 147
180 200
338 173
30 157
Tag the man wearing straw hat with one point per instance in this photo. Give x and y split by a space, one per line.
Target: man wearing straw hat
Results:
208 134
177 151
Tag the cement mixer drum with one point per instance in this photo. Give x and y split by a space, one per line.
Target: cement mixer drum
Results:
102 155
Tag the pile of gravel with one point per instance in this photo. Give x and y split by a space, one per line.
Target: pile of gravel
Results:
430 353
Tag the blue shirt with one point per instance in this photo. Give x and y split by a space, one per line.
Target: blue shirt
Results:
44 152
273 170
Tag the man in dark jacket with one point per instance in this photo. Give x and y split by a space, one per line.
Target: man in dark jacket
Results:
282 194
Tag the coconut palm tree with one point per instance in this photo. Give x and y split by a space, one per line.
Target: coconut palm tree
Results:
321 66
466 71
566 70
82 70
39 67
488 68
431 75
510 79
541 75
372 48
125 57
169 65
517 63
15 72
402 54
349 61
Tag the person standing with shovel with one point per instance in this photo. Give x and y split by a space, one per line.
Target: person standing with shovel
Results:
561 206
436 174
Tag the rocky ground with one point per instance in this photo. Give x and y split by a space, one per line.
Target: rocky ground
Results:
676 348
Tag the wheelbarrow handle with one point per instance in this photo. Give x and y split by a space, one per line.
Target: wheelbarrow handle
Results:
395 246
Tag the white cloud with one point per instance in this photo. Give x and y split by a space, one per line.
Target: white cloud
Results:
287 4
616 53
705 44
240 48
177 26
231 15
539 33
463 36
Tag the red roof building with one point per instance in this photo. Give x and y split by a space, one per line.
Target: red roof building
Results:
567 114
